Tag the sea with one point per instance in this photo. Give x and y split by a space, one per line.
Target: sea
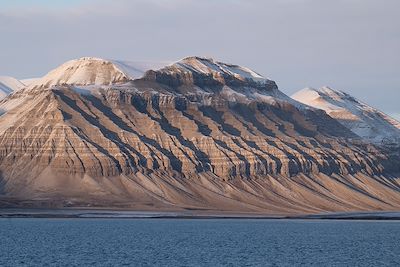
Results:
198 242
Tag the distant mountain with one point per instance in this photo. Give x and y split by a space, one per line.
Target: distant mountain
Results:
9 85
29 81
359 117
192 134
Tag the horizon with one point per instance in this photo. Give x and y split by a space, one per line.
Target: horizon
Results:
347 45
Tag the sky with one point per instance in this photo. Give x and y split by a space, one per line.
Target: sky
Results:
350 45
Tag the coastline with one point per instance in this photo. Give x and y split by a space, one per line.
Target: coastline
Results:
77 213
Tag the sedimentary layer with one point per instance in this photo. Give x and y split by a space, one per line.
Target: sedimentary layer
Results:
186 137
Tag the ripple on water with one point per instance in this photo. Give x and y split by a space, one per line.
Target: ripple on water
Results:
191 242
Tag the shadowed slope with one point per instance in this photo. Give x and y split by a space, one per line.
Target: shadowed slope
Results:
175 139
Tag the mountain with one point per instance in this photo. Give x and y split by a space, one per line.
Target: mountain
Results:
9 85
94 71
359 117
29 81
196 134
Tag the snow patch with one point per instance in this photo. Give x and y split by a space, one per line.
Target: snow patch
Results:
209 66
29 81
136 69
9 85
95 71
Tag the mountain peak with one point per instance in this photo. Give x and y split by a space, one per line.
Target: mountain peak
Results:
337 94
362 119
310 94
197 58
205 65
95 71
83 71
98 71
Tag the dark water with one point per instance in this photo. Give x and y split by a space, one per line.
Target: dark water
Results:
201 242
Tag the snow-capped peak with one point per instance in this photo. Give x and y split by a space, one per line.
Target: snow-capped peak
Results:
95 71
362 119
98 71
83 71
313 93
210 66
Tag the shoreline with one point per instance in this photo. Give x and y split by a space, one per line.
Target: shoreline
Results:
75 213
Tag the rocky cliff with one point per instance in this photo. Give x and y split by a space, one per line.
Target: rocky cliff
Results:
194 134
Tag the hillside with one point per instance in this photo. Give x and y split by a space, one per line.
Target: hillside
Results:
194 134
359 117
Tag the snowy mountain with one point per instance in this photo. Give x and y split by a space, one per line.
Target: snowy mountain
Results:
94 71
205 77
362 119
97 71
193 134
29 81
9 85
215 68
238 83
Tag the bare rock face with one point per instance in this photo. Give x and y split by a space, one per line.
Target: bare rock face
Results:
197 133
208 74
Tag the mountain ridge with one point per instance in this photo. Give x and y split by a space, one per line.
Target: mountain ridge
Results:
8 85
364 120
183 137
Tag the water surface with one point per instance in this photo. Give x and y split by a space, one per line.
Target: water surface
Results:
196 242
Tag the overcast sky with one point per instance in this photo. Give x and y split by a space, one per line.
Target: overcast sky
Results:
352 45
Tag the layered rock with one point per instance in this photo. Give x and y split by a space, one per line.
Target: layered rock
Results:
196 133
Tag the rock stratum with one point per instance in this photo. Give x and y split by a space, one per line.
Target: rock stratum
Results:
192 135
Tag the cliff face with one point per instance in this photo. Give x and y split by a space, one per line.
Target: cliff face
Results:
187 138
